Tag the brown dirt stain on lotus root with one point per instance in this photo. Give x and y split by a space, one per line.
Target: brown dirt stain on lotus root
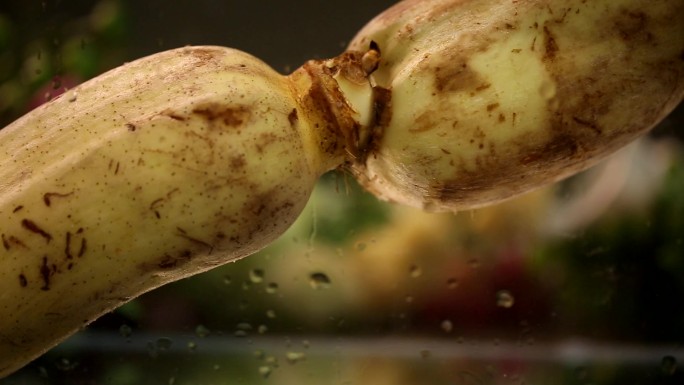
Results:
167 261
238 162
458 77
73 247
47 197
230 116
632 26
47 270
293 117
11 241
34 228
550 45
204 55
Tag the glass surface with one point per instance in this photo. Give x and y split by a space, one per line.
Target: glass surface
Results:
577 283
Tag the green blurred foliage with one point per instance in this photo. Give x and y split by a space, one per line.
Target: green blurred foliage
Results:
50 46
356 212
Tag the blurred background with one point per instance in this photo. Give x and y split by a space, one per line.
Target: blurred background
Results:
577 283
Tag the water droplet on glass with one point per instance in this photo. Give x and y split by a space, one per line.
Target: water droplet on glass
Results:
668 366
242 329
65 365
262 329
73 97
272 288
265 371
256 275
164 344
415 271
452 283
270 314
409 299
361 246
125 331
319 281
227 280
294 357
201 331
447 326
272 361
192 346
504 299
246 326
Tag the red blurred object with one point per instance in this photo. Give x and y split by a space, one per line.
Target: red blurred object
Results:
58 85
